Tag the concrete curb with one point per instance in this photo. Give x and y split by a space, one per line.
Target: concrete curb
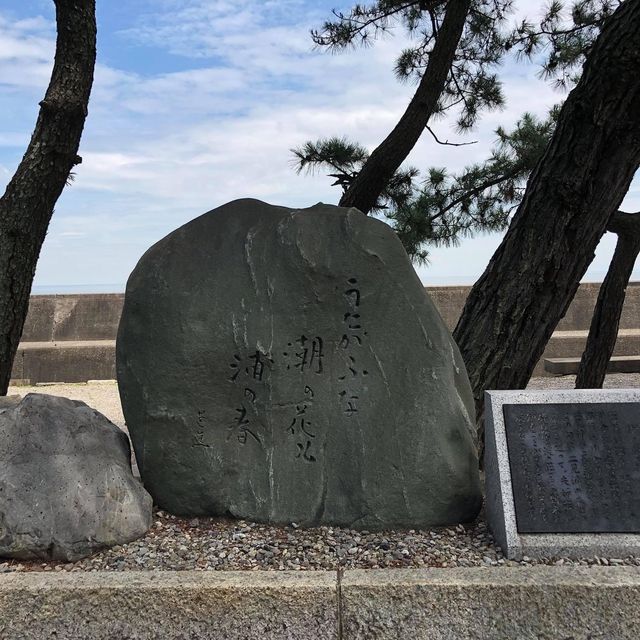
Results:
537 603
168 605
569 603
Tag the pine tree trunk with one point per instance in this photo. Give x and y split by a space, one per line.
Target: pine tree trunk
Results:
27 204
606 316
578 184
383 162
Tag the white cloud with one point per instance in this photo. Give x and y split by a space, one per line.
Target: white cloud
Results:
229 30
161 148
26 52
72 234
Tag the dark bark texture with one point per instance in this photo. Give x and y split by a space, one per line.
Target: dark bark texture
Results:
603 331
27 204
578 184
392 151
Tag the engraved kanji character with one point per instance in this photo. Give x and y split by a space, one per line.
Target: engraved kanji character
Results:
311 355
242 425
300 411
256 370
300 421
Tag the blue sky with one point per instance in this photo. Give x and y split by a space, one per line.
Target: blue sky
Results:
197 102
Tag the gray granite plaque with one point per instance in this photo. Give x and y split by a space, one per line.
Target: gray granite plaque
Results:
575 467
562 472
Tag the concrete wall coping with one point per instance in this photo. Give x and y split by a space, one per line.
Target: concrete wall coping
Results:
71 337
152 580
534 577
425 604
67 344
526 576
94 316
584 332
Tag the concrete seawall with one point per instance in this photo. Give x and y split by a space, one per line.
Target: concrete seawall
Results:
71 338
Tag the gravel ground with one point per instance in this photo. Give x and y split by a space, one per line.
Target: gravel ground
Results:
221 544
101 395
612 381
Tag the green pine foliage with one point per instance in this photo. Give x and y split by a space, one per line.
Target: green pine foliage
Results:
343 160
562 37
449 207
444 207
472 85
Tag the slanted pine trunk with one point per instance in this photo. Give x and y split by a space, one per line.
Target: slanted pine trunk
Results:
27 204
578 184
383 162
606 316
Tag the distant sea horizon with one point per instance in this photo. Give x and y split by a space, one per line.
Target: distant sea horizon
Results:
50 289
119 287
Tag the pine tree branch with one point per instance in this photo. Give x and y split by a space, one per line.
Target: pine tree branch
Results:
624 224
478 190
384 161
362 25
446 142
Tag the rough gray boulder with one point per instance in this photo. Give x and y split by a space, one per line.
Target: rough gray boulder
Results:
287 365
66 487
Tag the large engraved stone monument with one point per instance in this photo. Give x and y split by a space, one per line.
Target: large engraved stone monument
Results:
286 366
563 472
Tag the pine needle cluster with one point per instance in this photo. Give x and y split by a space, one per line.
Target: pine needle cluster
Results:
440 208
